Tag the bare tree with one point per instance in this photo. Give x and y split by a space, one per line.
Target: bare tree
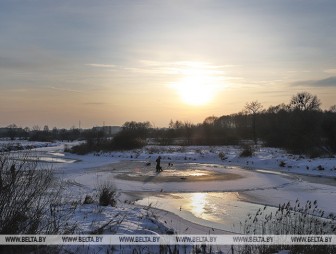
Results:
175 125
253 108
188 131
305 101
332 109
36 128
12 131
210 120
46 128
278 108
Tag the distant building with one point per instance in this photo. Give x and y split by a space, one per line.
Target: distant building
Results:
108 130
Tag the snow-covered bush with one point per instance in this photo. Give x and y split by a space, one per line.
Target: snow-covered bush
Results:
247 151
88 200
107 194
282 164
222 156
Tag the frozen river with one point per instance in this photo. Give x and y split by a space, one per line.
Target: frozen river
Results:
211 195
220 210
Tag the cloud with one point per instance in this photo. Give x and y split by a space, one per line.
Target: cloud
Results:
327 82
65 90
101 65
180 68
330 71
94 103
168 67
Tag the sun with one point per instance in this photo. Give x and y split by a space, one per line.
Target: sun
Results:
198 86
194 91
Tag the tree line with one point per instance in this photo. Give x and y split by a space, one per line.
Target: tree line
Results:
37 133
300 126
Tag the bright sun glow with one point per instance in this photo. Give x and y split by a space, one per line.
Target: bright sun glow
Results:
194 91
199 84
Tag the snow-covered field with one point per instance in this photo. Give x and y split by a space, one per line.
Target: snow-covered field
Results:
217 177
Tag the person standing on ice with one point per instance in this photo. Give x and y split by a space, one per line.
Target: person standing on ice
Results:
158 166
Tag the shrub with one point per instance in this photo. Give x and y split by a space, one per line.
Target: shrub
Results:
88 200
282 164
222 156
247 151
124 141
107 194
30 200
319 167
82 149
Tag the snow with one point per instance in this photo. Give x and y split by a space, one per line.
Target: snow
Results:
289 185
270 177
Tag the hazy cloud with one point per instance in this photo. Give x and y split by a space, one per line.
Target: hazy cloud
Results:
327 82
330 71
65 90
101 65
94 103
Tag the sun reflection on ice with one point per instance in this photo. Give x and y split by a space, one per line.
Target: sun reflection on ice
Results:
222 210
205 205
198 203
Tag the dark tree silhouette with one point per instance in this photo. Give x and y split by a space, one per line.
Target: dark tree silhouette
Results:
253 108
305 101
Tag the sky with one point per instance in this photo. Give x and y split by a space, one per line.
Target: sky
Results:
106 62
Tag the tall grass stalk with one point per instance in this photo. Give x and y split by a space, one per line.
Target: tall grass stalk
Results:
290 219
